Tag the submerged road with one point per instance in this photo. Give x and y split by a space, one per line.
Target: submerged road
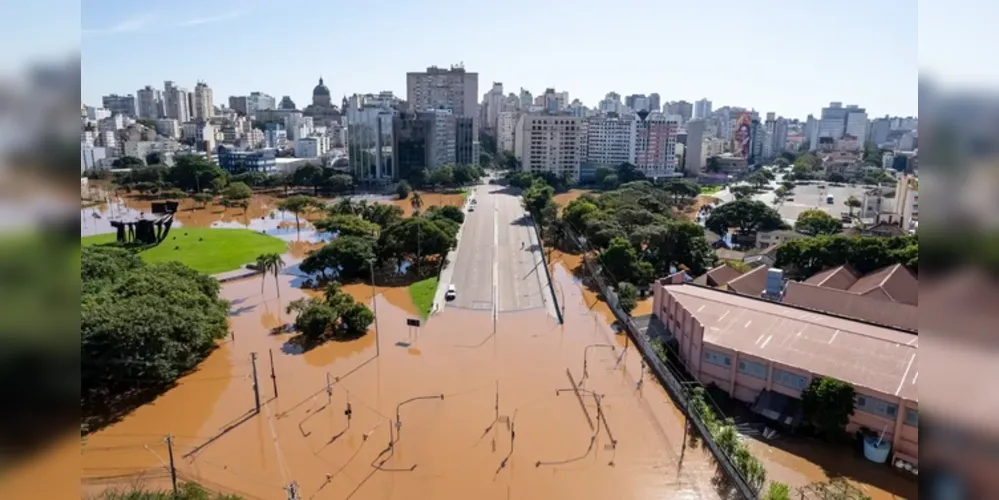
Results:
498 265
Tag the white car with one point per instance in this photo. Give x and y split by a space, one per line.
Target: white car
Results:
451 292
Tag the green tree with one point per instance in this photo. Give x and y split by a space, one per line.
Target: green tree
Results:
602 173
348 225
339 183
852 203
127 162
194 173
745 215
442 176
610 182
814 222
141 326
577 209
682 189
309 175
627 297
156 174
758 179
383 214
520 179
804 257
202 198
238 191
742 191
827 404
620 259
346 256
485 160
447 212
403 189
297 205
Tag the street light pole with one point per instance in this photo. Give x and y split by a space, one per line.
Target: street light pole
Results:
374 302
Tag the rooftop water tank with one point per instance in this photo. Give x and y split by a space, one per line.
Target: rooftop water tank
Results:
775 284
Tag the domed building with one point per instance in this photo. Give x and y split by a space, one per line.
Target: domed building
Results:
322 110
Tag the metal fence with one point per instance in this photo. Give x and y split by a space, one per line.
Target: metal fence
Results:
665 376
548 274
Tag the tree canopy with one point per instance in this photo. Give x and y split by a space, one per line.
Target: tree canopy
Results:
336 316
827 404
195 173
142 326
814 222
747 216
804 257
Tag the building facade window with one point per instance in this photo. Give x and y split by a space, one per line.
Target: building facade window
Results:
792 380
912 417
876 406
717 358
753 369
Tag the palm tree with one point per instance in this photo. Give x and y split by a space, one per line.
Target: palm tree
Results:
270 263
416 201
276 264
262 266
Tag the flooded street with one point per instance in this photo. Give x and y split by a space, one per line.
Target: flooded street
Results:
502 411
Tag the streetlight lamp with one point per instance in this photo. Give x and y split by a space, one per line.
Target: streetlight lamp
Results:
374 303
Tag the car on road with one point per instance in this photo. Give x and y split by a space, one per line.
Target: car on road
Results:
451 292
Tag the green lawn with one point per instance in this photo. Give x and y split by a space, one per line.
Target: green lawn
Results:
207 250
422 293
710 189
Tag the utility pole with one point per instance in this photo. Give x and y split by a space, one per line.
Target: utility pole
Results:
256 386
270 352
374 302
173 469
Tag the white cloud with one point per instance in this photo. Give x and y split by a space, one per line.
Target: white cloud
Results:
127 26
198 21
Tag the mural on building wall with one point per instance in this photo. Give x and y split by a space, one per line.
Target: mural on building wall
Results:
743 134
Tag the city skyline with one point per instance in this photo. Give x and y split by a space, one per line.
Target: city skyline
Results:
783 71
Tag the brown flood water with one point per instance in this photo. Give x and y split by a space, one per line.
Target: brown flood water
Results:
456 447
796 463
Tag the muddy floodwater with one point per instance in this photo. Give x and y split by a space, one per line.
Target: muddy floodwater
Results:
467 406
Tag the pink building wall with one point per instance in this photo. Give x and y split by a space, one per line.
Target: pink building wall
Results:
689 334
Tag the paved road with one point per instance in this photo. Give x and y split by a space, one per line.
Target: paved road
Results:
498 258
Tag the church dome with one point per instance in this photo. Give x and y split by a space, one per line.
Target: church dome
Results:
320 90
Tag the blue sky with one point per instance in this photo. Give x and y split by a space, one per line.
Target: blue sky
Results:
791 57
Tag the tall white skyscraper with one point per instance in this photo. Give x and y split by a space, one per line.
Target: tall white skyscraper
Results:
149 102
175 102
204 106
693 160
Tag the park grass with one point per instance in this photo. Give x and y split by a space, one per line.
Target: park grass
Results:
205 249
710 189
422 293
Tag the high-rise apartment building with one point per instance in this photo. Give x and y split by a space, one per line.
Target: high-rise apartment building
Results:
878 132
702 109
506 130
149 102
204 102
453 88
466 141
683 109
655 144
526 99
550 143
175 102
610 140
238 104
655 102
693 153
120 104
611 103
856 124
494 104
424 140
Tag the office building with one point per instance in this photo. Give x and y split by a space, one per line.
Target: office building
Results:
311 147
168 127
693 155
91 156
702 109
259 101
204 102
550 143
150 102
526 99
370 143
237 161
275 135
655 144
878 131
610 140
120 104
683 109
424 140
466 144
493 105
